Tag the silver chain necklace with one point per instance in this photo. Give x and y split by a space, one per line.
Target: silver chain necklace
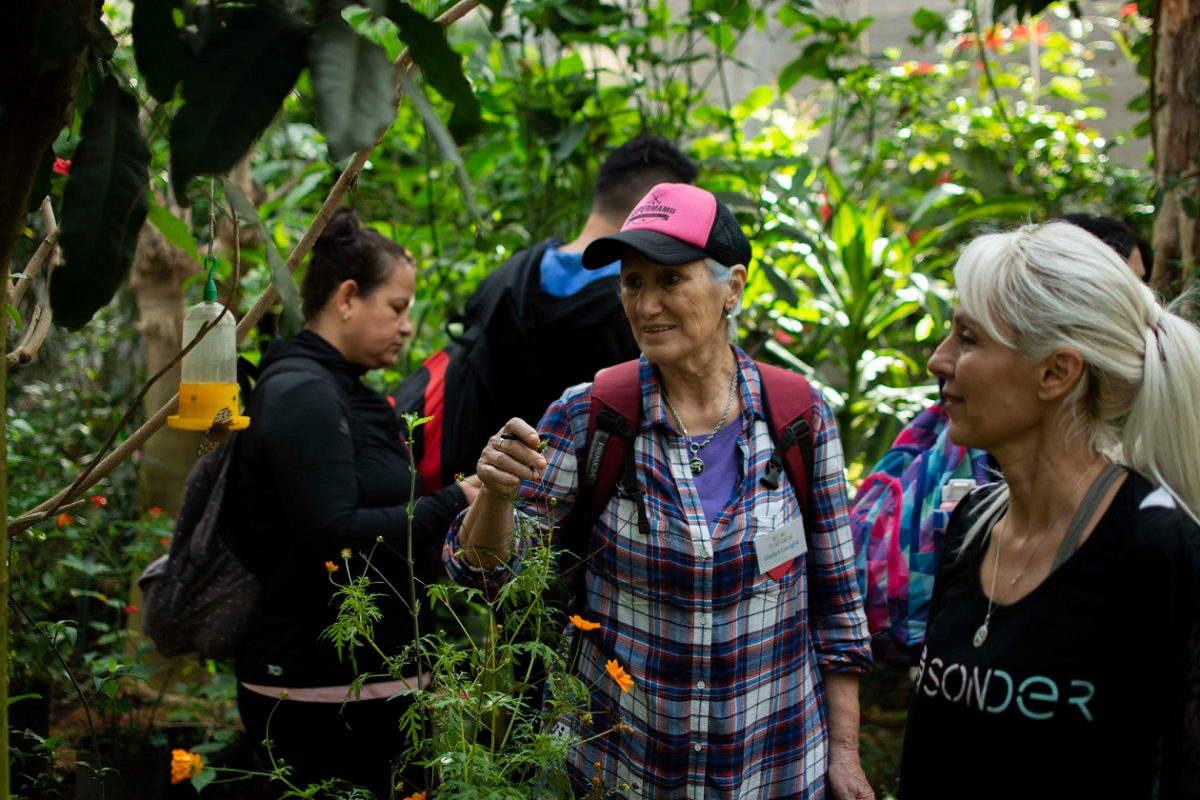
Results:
696 464
982 633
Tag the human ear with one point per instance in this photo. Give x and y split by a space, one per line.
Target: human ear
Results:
737 285
344 297
1059 372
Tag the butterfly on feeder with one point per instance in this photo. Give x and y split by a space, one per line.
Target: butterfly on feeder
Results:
218 433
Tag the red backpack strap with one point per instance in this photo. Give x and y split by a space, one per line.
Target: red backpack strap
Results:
787 400
615 414
608 458
429 469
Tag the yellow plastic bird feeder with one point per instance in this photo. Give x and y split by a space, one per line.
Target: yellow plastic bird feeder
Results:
209 381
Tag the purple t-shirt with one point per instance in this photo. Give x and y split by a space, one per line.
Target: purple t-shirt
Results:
722 468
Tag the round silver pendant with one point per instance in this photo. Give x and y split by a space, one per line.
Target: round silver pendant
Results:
981 635
696 466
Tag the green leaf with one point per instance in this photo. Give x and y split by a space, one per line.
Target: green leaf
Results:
100 38
497 9
203 778
785 290
233 89
444 141
925 20
104 206
15 316
172 229
352 81
157 48
291 321
1022 7
19 697
442 67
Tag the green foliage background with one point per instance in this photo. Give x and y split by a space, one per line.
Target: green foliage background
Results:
857 175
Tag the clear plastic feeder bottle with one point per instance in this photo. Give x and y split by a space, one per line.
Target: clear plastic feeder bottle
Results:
209 380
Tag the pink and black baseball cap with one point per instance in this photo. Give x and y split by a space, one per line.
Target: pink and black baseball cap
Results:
675 223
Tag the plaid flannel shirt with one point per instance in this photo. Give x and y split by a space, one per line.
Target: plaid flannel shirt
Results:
728 698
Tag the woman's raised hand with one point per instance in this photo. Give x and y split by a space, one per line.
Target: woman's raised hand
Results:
510 457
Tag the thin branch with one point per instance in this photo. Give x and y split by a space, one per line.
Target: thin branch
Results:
35 335
100 468
47 251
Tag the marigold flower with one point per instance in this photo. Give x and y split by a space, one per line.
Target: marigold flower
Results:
64 520
62 166
99 499
332 567
185 765
618 674
582 624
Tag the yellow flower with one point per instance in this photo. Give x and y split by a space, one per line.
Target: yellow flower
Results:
416 796
184 765
582 624
618 674
332 567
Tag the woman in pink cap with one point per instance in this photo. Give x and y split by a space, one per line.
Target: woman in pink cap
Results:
737 619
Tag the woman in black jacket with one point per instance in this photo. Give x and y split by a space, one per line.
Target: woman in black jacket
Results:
320 495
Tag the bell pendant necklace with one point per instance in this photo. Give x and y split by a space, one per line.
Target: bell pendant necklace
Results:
696 464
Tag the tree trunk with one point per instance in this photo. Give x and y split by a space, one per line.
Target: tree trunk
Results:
35 104
156 280
1177 145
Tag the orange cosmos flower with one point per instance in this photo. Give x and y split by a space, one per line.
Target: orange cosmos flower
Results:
416 796
185 765
582 624
332 567
64 520
618 674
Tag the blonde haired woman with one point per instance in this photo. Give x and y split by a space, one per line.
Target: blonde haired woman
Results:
1061 656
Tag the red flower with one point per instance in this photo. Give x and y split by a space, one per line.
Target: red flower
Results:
154 511
99 499
62 166
64 520
131 609
1129 10
922 68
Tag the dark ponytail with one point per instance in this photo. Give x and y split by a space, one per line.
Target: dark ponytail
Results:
346 251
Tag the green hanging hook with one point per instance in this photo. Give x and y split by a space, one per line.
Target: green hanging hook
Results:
210 286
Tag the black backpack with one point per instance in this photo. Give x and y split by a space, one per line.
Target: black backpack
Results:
518 350
198 597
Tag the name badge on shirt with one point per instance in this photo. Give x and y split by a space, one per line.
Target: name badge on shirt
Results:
778 548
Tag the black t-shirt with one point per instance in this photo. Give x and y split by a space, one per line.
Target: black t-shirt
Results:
1083 688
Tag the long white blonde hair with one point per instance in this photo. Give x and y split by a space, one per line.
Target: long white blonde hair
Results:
1043 287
